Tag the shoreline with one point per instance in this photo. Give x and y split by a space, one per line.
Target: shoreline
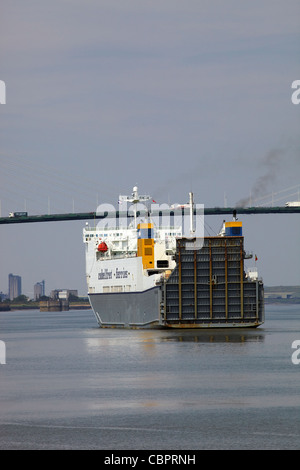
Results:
87 306
35 306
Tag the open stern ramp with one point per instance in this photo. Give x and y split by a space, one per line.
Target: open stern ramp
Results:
209 287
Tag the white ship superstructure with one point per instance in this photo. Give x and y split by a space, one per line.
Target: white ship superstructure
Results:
113 261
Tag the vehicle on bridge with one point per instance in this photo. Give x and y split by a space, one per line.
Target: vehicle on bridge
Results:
18 214
293 204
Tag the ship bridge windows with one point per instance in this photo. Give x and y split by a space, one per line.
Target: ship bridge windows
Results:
162 263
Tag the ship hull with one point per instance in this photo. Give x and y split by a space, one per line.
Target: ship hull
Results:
142 310
207 289
127 309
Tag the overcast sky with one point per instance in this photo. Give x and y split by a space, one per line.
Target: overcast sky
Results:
172 96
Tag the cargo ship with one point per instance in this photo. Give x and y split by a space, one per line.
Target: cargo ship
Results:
143 273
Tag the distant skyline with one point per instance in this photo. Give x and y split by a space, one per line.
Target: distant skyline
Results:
171 96
14 286
14 289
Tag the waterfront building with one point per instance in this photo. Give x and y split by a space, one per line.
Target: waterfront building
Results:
14 286
63 294
39 290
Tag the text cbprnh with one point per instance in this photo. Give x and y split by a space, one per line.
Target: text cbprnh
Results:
2 92
2 353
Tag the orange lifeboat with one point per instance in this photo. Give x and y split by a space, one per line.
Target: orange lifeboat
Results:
102 247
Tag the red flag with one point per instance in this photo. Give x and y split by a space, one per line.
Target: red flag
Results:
153 201
255 258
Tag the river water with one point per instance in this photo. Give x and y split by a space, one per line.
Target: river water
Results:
67 384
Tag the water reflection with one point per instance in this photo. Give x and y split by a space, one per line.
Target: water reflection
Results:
215 337
148 339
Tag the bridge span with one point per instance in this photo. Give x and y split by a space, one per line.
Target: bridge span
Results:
229 211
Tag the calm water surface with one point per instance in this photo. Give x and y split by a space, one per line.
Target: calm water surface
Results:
67 384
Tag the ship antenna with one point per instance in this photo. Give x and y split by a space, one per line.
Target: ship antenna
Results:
135 198
192 231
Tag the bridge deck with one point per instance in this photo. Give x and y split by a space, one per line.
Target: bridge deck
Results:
94 215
